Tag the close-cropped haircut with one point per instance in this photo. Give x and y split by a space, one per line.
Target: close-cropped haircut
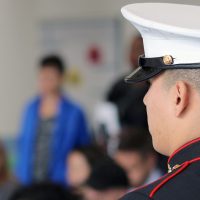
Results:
53 61
191 76
135 139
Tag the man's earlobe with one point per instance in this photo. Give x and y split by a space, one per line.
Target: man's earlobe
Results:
181 97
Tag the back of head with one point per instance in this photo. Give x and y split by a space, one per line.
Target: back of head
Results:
91 153
107 174
43 191
80 163
135 139
136 155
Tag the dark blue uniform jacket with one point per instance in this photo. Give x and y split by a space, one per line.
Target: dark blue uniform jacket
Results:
181 183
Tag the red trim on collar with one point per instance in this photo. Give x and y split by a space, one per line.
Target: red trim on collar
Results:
183 147
167 179
182 168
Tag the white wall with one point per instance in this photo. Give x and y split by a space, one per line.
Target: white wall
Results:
17 52
19 21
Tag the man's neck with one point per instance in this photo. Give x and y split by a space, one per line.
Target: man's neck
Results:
182 139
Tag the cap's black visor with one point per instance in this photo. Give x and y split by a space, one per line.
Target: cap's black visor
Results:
142 74
150 67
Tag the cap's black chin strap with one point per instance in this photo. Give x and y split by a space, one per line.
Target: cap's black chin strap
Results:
158 62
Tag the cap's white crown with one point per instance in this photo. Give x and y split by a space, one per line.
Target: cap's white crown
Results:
167 29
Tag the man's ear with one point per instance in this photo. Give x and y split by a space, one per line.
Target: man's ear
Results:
181 97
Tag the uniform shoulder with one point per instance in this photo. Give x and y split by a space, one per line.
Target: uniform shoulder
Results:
136 195
144 192
174 185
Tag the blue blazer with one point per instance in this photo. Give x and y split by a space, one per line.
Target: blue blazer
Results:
70 131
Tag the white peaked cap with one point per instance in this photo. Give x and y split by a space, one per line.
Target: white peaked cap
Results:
167 29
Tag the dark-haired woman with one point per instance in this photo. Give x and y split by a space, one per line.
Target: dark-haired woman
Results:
52 126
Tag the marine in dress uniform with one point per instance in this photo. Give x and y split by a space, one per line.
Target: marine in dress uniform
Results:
171 35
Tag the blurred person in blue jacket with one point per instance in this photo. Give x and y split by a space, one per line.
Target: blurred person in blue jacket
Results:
52 126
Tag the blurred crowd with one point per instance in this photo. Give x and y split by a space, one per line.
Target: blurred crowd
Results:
59 156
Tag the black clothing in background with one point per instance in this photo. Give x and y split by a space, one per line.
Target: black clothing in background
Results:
129 100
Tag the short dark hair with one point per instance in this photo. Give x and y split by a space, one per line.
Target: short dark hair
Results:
107 174
91 153
43 191
53 61
135 139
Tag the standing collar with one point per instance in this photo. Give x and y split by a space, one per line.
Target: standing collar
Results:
187 152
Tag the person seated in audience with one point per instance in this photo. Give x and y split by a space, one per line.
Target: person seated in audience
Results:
80 163
136 155
7 183
43 191
52 126
107 181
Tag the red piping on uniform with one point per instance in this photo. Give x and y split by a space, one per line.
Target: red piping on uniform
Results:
183 147
167 179
184 165
194 160
141 187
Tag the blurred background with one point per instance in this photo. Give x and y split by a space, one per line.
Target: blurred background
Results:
62 68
